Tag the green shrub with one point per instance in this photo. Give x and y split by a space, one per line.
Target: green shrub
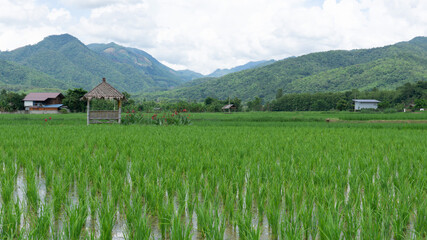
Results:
390 110
165 118
368 110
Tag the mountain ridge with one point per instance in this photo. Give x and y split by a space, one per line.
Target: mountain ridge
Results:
252 64
63 61
337 70
71 63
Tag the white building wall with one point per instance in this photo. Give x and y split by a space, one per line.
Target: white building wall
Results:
365 105
43 111
28 103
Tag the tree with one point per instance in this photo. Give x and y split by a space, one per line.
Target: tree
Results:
319 105
72 100
237 103
128 101
279 93
255 105
420 103
3 100
11 101
342 105
209 100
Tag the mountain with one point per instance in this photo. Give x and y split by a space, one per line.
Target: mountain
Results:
143 61
249 65
384 68
62 62
188 75
73 64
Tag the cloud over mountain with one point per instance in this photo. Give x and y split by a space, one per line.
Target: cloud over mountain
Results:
203 35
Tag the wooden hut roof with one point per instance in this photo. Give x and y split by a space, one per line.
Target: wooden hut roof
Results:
104 91
228 106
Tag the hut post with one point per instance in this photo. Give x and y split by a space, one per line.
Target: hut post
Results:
229 109
88 110
120 111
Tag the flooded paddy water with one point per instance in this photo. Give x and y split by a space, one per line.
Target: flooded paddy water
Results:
119 230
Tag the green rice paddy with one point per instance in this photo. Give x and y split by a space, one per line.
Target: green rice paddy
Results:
226 176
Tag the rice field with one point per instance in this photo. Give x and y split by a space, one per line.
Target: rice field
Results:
226 176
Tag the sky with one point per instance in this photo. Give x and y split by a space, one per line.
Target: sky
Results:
203 35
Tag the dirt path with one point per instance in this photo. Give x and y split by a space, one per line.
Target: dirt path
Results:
380 121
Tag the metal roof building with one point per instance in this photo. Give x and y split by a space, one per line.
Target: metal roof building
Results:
43 102
365 104
42 96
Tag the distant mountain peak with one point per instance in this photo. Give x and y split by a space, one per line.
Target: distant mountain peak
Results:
249 65
113 44
61 38
55 42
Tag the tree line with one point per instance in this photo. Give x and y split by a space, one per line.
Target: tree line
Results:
407 96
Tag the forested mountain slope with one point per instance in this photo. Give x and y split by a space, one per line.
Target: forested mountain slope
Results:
143 61
386 68
73 64
16 77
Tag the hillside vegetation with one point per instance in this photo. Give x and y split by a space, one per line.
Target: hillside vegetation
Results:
71 63
16 77
384 68
145 62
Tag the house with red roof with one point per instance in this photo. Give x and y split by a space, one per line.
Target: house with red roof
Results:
43 102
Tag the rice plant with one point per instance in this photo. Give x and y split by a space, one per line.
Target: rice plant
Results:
41 226
210 222
137 223
77 216
106 214
246 229
10 221
178 229
31 191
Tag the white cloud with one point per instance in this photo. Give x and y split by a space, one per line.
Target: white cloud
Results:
204 35
59 15
122 23
174 66
27 22
93 4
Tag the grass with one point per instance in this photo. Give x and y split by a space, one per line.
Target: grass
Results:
307 177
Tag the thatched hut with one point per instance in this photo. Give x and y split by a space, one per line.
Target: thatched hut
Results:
104 91
229 107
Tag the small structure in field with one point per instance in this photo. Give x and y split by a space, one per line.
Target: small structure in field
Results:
104 91
229 107
365 104
43 102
